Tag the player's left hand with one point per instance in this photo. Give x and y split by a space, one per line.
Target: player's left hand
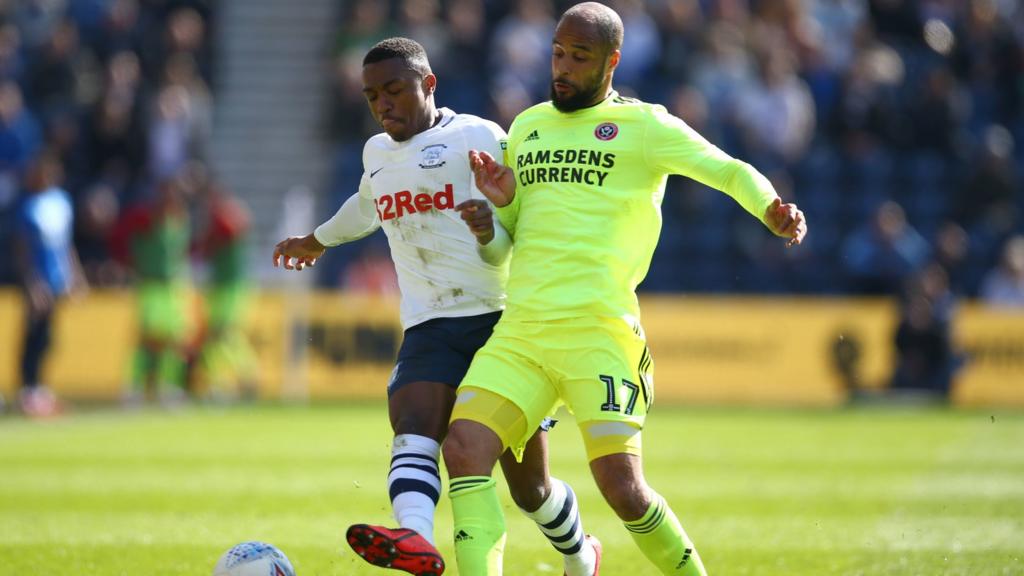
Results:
477 214
787 221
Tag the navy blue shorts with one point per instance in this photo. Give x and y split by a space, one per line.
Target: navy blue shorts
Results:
440 350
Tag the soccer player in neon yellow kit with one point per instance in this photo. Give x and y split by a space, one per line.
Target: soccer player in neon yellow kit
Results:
580 195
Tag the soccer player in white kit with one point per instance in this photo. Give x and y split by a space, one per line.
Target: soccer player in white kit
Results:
452 263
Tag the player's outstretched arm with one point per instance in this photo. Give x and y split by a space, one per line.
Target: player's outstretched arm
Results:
787 221
496 181
304 250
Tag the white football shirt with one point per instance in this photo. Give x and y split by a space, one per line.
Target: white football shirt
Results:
410 189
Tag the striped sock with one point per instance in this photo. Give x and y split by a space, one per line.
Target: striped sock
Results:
662 539
414 483
559 520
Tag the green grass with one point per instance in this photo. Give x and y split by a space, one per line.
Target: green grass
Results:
866 491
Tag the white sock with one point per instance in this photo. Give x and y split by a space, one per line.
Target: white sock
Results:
559 519
414 483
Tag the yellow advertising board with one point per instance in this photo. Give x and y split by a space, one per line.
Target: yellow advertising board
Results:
993 341
780 351
707 350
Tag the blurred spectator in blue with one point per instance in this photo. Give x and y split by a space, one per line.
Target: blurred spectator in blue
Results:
989 56
120 29
460 66
54 75
926 359
937 114
839 27
882 253
12 61
1004 286
113 141
641 44
180 128
951 248
987 201
866 116
681 27
520 55
725 70
775 114
421 21
20 139
37 19
48 270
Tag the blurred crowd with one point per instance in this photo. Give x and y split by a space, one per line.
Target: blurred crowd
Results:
115 90
105 121
894 124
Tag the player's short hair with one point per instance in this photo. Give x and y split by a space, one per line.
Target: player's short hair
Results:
605 20
409 51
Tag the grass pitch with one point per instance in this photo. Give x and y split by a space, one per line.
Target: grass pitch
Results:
860 491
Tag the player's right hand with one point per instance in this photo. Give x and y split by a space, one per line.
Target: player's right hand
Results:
497 182
304 250
477 214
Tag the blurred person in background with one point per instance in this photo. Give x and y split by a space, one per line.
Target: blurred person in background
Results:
775 113
926 359
517 55
880 255
421 21
452 282
641 45
48 269
986 202
1004 286
96 215
951 248
226 357
152 239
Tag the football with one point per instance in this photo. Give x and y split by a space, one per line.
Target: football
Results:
253 559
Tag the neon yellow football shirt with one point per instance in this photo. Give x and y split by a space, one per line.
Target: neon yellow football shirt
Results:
587 210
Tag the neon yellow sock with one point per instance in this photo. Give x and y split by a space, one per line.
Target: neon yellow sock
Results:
171 369
141 366
479 525
662 539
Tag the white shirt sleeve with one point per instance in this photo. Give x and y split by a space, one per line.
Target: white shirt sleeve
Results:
492 139
357 218
497 250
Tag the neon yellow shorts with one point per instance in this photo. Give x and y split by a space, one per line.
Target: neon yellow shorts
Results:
164 310
599 368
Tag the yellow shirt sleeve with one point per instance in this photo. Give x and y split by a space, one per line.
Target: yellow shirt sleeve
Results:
673 147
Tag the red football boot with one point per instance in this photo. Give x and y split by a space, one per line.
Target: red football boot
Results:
400 549
597 553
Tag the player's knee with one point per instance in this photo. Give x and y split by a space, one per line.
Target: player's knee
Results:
468 450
